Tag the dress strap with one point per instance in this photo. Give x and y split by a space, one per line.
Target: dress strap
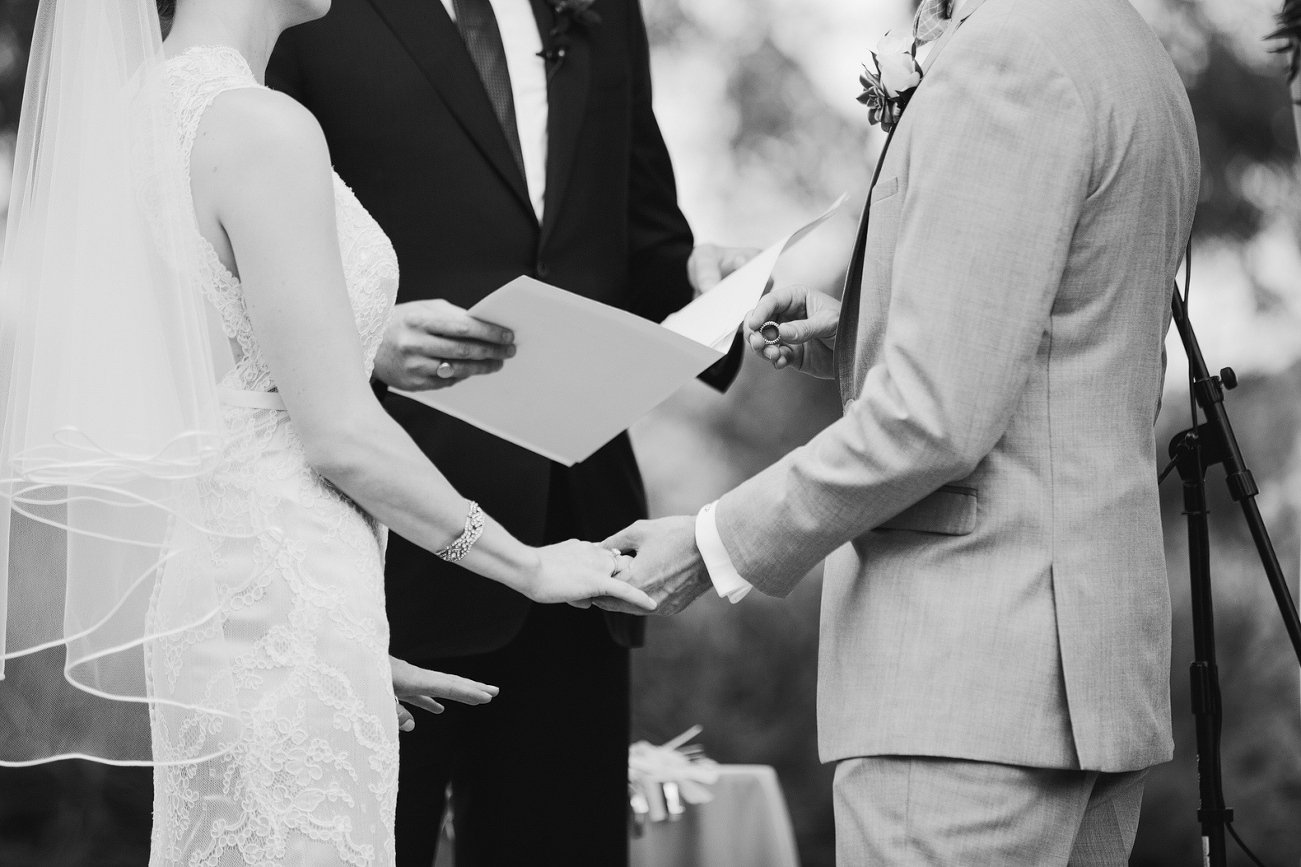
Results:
251 399
199 76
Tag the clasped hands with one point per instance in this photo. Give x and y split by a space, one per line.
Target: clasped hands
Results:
664 560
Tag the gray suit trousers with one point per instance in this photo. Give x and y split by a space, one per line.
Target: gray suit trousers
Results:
911 811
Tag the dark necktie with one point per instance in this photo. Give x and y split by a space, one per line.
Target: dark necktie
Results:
478 26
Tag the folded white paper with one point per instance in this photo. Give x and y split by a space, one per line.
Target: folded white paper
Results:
586 371
712 319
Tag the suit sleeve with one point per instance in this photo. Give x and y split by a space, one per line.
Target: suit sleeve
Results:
660 241
1001 156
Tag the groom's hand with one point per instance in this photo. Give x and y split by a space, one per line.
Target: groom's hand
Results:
807 320
709 264
666 564
433 344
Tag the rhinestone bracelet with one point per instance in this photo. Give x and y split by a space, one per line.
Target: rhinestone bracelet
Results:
473 530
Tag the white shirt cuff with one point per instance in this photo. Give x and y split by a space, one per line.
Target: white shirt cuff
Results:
727 581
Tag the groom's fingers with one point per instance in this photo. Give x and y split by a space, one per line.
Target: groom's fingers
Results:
781 303
626 540
820 325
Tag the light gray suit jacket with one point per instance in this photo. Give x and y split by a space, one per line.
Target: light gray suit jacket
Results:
998 589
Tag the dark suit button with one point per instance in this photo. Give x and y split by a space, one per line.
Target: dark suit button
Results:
543 269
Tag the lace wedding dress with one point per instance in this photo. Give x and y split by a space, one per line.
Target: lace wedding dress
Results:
312 779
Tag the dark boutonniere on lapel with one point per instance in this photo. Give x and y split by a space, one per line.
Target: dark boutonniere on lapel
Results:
889 86
568 15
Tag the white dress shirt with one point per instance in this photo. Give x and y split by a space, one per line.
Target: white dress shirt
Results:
528 83
727 581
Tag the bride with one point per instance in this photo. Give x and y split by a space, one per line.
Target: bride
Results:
198 473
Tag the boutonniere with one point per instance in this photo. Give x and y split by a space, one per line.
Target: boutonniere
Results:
888 88
568 14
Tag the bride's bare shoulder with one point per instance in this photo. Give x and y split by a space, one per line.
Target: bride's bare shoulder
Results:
255 132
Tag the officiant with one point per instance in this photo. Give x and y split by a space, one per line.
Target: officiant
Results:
494 138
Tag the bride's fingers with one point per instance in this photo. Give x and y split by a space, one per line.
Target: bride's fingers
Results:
624 592
459 689
421 682
406 722
424 702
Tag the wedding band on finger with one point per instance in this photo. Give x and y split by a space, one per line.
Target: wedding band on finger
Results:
771 333
615 554
445 370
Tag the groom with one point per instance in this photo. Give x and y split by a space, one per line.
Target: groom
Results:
995 622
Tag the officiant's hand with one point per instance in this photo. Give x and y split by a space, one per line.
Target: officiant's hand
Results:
421 688
433 344
710 263
666 564
807 329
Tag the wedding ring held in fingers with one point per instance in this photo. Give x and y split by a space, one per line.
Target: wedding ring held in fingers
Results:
445 370
771 333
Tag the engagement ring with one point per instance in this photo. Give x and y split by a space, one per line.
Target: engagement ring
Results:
445 370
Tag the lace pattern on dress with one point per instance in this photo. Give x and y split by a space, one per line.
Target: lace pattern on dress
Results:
313 777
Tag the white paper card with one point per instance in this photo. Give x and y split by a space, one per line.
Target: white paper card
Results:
712 319
585 371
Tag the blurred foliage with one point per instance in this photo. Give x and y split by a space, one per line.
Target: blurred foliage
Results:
1243 113
762 140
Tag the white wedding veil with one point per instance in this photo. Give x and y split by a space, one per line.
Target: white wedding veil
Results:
109 359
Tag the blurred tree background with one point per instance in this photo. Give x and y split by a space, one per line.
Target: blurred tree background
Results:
756 98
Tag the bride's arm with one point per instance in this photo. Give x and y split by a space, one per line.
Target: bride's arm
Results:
261 168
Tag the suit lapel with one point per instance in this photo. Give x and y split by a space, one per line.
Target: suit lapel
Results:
964 12
567 91
847 327
424 29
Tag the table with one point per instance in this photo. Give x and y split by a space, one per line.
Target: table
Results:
746 825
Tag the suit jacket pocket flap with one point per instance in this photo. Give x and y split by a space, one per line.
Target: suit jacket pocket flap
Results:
884 189
951 511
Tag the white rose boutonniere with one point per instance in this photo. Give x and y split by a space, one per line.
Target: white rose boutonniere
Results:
888 87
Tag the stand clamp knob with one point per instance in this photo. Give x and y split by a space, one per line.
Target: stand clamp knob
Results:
1229 378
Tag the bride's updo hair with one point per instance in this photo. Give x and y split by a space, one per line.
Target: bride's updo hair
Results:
166 9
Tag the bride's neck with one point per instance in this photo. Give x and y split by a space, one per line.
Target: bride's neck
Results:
249 26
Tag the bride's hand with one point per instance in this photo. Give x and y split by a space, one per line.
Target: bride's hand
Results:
578 572
420 687
807 330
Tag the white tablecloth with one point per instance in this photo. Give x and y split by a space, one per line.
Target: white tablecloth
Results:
746 825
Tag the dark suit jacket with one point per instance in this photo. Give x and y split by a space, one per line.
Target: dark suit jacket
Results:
411 130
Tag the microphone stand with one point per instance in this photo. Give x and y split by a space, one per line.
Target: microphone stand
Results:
1192 451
